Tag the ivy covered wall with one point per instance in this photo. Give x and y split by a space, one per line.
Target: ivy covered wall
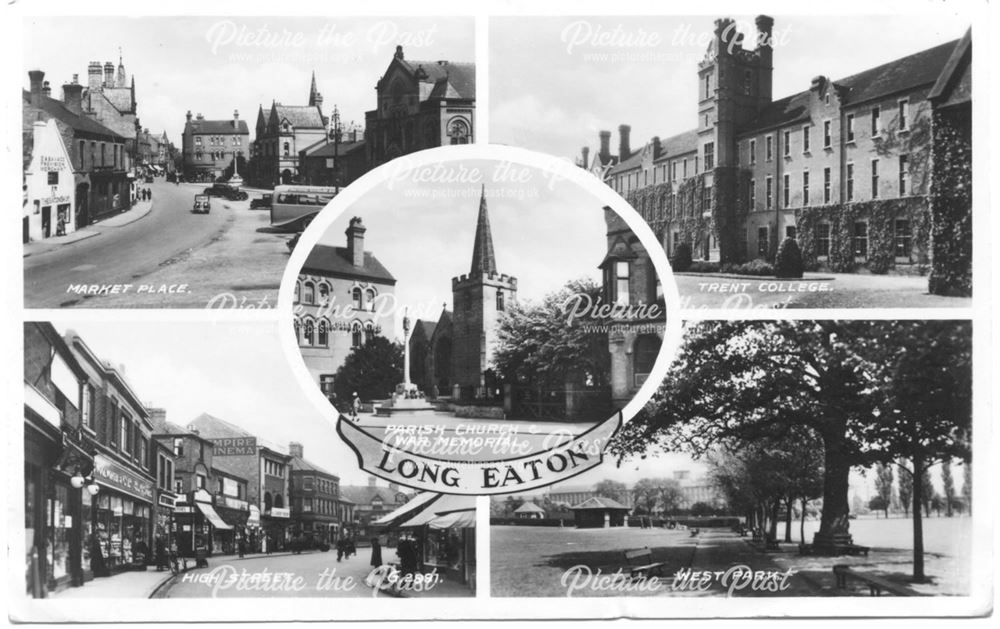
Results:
951 202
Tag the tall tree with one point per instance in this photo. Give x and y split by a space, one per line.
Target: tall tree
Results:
613 489
883 485
967 486
656 495
735 383
372 370
948 485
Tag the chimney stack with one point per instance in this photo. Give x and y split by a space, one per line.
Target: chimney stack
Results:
765 51
35 78
295 449
624 147
605 153
657 147
199 116
399 53
236 118
356 242
94 77
109 74
73 95
585 154
188 115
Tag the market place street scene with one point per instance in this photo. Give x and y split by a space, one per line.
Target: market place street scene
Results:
768 465
170 477
180 174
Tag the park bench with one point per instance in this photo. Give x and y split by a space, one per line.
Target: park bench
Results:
876 585
640 563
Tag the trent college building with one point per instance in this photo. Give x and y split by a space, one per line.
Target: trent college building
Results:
868 173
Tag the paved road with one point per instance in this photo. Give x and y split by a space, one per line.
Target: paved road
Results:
310 574
123 255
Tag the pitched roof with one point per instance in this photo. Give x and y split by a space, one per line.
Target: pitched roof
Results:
600 502
529 507
304 465
451 79
483 257
364 494
686 142
209 426
955 81
324 148
332 261
300 116
80 123
921 68
119 97
219 127
428 327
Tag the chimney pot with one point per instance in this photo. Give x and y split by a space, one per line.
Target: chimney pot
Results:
585 153
624 145
605 145
356 241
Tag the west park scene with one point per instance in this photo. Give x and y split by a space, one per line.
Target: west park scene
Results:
778 458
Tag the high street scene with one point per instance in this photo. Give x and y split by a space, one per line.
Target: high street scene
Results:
178 175
169 477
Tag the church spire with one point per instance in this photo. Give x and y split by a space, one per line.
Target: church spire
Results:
483 259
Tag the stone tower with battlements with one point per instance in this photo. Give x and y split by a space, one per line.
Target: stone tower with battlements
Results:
479 299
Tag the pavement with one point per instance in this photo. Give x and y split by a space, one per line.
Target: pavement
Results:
814 290
140 210
309 574
131 584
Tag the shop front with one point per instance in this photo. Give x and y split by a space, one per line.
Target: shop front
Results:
276 524
122 518
163 525
235 513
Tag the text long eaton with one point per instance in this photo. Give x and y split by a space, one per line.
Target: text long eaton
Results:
494 476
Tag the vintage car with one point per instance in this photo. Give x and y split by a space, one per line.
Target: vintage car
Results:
202 204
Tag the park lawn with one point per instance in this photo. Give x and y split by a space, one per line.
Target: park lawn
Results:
531 560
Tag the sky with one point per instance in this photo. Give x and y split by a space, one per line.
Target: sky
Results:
555 82
423 234
232 370
214 65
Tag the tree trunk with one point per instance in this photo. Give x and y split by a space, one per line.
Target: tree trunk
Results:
834 529
802 522
772 532
788 519
918 524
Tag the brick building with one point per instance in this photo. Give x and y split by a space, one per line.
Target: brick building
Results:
318 510
844 167
371 502
420 105
282 133
109 98
209 147
335 302
98 156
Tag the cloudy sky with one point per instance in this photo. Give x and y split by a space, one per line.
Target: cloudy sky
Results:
234 371
214 65
543 235
556 81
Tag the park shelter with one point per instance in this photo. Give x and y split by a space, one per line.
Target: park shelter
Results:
529 511
600 512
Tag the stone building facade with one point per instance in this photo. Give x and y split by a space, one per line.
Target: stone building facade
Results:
209 147
843 167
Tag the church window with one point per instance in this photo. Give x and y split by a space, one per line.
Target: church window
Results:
500 303
458 131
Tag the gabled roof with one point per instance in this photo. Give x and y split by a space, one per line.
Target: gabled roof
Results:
529 507
212 427
600 502
330 261
922 68
299 116
450 79
118 97
219 127
303 465
954 85
84 125
427 326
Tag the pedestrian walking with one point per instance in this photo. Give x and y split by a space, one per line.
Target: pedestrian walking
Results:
355 407
376 553
161 555
340 549
241 546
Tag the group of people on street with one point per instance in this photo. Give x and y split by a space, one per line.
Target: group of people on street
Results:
346 548
144 194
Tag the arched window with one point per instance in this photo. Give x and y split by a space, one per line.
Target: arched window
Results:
369 331
279 502
370 299
500 303
356 296
458 131
357 339
298 292
285 149
644 353
267 501
298 329
308 335
309 294
324 291
323 334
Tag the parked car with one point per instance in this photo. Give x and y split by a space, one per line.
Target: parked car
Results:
202 204
227 192
262 202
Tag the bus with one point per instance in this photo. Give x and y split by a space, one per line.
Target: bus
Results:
289 203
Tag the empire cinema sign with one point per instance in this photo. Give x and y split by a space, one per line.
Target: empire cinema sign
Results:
234 446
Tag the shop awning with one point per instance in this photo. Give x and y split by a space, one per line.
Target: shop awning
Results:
411 508
455 520
442 505
213 517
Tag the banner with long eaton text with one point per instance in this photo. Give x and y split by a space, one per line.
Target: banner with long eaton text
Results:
391 462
